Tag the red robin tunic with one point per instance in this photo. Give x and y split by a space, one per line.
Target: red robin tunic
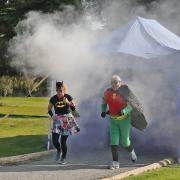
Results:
115 102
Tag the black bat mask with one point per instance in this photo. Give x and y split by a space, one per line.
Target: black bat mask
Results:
59 84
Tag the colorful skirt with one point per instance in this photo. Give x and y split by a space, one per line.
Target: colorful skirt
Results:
65 125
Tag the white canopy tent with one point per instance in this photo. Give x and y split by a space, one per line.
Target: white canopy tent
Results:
147 39
142 37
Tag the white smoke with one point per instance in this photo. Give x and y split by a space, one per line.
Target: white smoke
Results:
118 12
63 45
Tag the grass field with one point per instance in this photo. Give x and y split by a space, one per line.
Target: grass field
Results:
165 173
21 135
36 106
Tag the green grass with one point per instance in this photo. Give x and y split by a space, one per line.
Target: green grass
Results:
36 106
23 126
23 135
165 173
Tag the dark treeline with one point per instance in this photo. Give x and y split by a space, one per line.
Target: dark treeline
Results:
12 11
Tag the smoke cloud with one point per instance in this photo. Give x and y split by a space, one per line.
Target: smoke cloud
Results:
63 45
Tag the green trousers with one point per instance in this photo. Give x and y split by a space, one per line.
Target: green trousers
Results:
120 131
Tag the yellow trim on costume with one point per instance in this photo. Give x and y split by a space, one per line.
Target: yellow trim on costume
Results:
119 118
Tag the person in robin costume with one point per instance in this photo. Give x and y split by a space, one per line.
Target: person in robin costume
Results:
124 110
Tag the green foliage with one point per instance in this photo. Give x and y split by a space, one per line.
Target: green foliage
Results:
21 86
6 86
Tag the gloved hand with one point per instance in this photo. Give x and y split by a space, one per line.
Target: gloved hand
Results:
75 113
126 110
103 114
52 115
73 108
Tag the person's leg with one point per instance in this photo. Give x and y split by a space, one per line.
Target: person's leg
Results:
55 139
64 145
125 128
114 141
114 151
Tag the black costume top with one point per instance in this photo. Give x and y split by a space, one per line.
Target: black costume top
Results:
60 106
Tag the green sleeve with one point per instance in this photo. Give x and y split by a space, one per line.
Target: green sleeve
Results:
103 107
127 110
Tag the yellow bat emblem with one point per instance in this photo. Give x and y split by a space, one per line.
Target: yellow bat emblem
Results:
60 104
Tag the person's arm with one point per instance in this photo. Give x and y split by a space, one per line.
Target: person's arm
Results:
127 110
103 107
74 111
69 100
72 105
50 109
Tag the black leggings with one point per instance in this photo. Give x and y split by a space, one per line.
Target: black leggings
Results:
60 147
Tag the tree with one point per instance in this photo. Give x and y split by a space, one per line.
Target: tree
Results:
12 11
